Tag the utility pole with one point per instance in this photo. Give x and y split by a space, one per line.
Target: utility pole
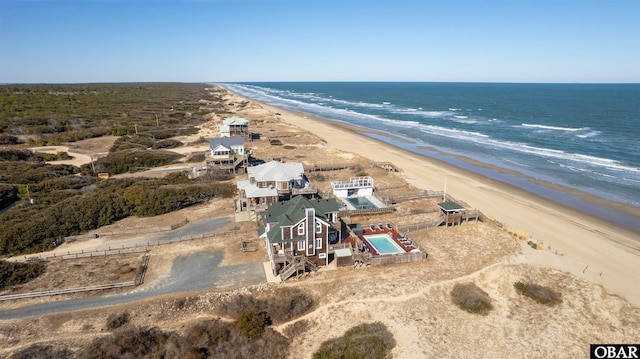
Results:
157 122
136 127
92 166
444 195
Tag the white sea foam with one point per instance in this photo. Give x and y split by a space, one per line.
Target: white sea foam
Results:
420 112
556 128
589 134
577 162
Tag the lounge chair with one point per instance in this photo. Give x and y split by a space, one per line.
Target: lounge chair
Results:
373 227
389 225
380 226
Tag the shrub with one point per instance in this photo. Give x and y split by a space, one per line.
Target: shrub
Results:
281 306
252 323
540 294
196 157
31 228
288 303
115 321
131 160
216 176
471 298
8 195
9 140
296 328
127 342
38 351
276 142
138 141
15 273
367 341
166 144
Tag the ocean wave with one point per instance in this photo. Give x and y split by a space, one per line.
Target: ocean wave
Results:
565 156
589 134
556 128
580 132
420 112
300 101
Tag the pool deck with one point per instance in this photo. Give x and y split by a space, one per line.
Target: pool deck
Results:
407 245
376 202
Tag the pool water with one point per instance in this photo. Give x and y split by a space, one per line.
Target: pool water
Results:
383 244
360 202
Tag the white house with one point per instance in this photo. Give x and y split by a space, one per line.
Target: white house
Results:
274 181
226 147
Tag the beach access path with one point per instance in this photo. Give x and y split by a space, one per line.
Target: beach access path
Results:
588 247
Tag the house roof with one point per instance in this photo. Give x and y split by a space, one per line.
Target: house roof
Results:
227 142
288 213
253 191
276 171
450 207
235 121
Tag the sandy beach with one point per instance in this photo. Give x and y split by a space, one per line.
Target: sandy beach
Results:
583 245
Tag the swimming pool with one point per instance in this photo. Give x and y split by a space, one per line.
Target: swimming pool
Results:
360 202
383 244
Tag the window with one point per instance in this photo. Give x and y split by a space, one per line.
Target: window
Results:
301 245
318 227
318 243
301 229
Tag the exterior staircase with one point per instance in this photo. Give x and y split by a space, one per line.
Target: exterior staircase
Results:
295 265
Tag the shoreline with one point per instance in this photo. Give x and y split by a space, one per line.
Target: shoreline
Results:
584 245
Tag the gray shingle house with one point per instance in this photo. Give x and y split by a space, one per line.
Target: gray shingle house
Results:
298 234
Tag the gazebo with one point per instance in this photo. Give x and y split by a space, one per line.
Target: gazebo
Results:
451 213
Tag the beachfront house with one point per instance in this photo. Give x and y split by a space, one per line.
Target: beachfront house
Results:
298 233
225 147
234 127
356 187
272 182
227 153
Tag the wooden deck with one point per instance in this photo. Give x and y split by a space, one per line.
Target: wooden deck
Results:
407 245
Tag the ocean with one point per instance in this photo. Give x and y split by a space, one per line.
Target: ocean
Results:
585 137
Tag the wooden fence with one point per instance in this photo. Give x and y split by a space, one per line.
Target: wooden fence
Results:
366 211
67 291
142 271
399 258
138 248
329 168
135 231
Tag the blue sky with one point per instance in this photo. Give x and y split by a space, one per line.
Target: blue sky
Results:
307 40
